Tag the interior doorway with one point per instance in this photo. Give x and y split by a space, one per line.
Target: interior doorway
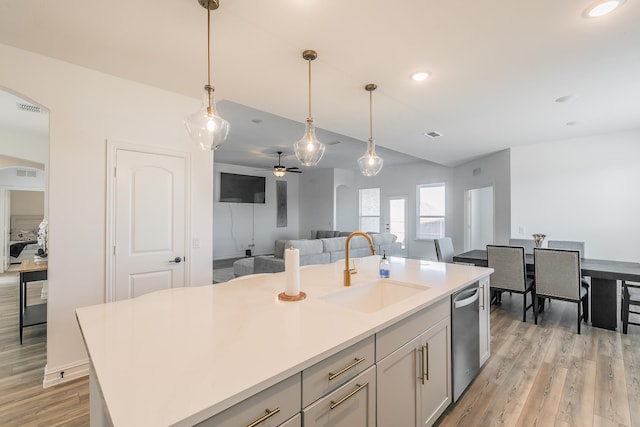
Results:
478 218
397 219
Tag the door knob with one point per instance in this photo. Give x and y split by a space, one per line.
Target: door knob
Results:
177 260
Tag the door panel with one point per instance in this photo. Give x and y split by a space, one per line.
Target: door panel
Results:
150 224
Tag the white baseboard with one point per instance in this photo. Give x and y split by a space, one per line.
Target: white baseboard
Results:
64 374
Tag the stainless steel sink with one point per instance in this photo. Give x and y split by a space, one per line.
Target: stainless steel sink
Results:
373 296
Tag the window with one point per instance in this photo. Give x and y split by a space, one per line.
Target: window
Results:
431 203
370 209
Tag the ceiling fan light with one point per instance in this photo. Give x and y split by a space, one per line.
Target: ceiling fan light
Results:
279 171
205 126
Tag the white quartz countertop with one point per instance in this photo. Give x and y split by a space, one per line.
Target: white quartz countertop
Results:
179 356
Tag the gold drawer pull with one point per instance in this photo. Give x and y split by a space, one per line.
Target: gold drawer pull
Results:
265 417
341 401
345 369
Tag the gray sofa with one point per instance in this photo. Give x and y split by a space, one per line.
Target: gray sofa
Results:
325 250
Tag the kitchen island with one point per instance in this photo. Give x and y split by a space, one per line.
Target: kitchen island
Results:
181 356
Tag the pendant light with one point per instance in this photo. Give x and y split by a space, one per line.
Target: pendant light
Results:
309 150
205 126
370 163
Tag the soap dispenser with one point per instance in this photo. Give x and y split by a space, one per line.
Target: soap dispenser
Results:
384 266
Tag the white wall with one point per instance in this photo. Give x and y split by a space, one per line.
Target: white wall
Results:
236 225
402 180
86 108
583 189
24 146
316 201
492 170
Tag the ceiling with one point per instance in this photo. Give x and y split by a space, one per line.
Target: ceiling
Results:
497 68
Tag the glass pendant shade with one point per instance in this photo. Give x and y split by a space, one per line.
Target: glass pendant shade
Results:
370 163
205 126
279 171
309 150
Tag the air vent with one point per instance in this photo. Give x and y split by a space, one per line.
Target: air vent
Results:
432 134
26 173
28 107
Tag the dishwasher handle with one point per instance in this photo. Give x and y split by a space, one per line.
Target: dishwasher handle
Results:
462 300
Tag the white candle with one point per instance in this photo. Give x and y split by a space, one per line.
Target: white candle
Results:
292 272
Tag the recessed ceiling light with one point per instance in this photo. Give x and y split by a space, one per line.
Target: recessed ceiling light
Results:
602 8
420 76
565 98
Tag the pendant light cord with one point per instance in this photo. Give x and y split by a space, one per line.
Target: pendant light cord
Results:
310 116
208 47
370 115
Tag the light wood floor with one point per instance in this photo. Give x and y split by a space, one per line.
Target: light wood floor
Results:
541 375
548 375
23 401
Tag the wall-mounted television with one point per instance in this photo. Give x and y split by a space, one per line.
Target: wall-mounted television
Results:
236 188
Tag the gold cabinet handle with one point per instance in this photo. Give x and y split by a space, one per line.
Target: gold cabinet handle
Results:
265 417
341 401
345 369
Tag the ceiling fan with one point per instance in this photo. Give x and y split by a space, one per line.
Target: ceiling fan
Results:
280 170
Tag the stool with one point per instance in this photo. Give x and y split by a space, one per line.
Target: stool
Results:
630 297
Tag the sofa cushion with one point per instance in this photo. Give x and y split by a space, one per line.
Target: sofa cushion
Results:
333 244
324 234
306 247
358 242
279 248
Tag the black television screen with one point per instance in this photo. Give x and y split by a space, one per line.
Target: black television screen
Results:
235 188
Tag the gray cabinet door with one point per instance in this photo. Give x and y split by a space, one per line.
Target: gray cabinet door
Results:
436 371
398 387
414 382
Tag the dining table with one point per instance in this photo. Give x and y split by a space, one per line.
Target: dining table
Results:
604 275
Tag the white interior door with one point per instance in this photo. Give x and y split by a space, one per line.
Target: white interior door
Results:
150 226
478 218
397 219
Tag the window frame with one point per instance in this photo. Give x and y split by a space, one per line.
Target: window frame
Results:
420 236
360 215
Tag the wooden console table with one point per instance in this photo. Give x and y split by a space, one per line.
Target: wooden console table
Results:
35 314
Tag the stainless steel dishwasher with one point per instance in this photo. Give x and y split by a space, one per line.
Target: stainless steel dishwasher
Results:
465 338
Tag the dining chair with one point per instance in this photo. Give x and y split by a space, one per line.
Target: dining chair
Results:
567 244
558 277
510 274
630 297
527 244
444 249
